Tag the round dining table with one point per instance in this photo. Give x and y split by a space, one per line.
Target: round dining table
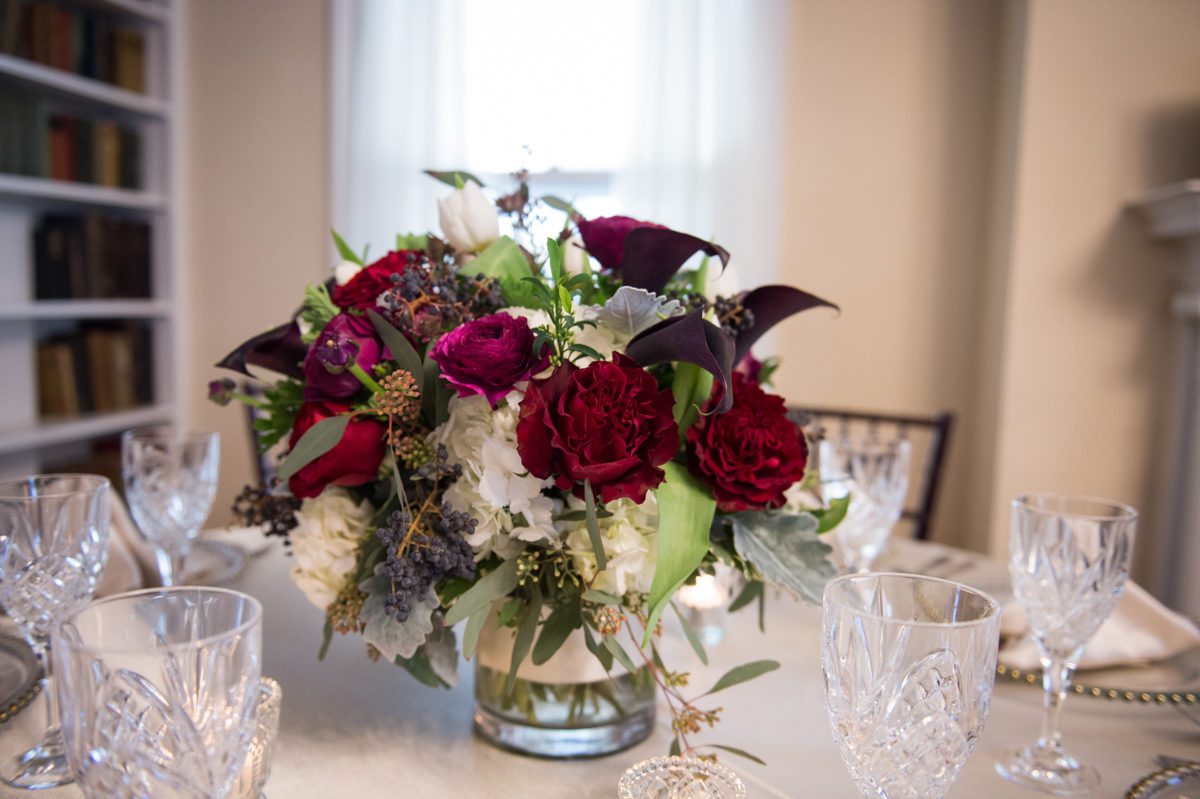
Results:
355 728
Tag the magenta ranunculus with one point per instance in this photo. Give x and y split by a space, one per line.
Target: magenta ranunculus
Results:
326 376
488 356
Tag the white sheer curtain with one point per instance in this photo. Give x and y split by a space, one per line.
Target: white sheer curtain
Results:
675 107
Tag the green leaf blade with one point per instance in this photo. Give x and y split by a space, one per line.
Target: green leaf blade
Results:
345 250
561 622
402 349
593 527
524 638
316 441
743 673
685 513
689 632
493 585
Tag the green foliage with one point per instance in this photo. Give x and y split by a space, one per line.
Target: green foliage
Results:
499 582
752 591
562 621
830 517
690 633
739 752
316 441
692 386
400 347
505 261
743 673
281 403
593 527
785 549
411 241
685 513
523 640
317 310
345 250
455 178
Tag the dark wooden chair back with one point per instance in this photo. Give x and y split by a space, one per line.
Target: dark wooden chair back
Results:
929 437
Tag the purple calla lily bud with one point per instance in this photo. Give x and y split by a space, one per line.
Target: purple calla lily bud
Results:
221 391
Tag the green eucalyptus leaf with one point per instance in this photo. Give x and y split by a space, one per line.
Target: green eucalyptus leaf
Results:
674 750
557 203
785 549
743 673
601 597
316 441
524 637
561 622
474 626
602 654
748 594
690 633
326 638
685 512
401 347
739 752
614 646
493 585
593 527
422 670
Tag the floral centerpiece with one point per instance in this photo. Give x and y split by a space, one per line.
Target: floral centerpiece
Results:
544 440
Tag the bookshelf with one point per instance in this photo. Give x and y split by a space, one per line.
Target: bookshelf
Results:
31 440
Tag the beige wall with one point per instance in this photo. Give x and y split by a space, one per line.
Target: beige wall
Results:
257 155
889 161
1108 107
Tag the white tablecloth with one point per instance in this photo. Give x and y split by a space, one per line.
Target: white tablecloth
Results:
352 728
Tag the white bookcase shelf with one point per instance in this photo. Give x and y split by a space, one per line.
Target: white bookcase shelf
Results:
28 441
93 92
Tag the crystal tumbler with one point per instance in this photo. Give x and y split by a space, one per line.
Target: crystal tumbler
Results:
160 692
1068 558
909 663
53 544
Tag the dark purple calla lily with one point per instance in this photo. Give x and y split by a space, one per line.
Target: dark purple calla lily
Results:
279 349
692 340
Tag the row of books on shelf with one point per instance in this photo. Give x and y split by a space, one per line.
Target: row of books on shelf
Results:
91 256
81 41
100 368
40 142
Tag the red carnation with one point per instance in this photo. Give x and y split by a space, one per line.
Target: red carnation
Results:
604 237
354 461
363 290
751 455
607 423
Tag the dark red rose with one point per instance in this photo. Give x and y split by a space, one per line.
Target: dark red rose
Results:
488 356
608 423
362 290
354 461
751 455
326 376
604 237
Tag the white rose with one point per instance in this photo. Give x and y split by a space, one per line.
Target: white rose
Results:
324 543
630 539
468 220
344 272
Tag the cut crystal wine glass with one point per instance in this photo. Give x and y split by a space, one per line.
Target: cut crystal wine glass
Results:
673 777
909 663
170 482
1068 558
160 692
53 544
874 474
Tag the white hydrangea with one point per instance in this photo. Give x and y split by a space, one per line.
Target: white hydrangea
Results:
630 546
324 541
495 487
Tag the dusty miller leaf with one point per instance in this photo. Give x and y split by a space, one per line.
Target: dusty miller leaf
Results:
785 549
394 639
632 310
442 652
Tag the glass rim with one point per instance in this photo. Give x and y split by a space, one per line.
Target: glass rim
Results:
98 483
166 432
255 618
1121 511
993 606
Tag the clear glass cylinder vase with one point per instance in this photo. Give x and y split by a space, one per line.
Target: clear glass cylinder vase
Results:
567 707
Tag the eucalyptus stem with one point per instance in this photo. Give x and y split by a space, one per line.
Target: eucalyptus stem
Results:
365 378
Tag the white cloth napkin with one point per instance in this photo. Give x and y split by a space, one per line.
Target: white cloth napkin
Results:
122 571
1140 630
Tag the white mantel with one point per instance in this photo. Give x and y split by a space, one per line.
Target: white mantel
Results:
1174 213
